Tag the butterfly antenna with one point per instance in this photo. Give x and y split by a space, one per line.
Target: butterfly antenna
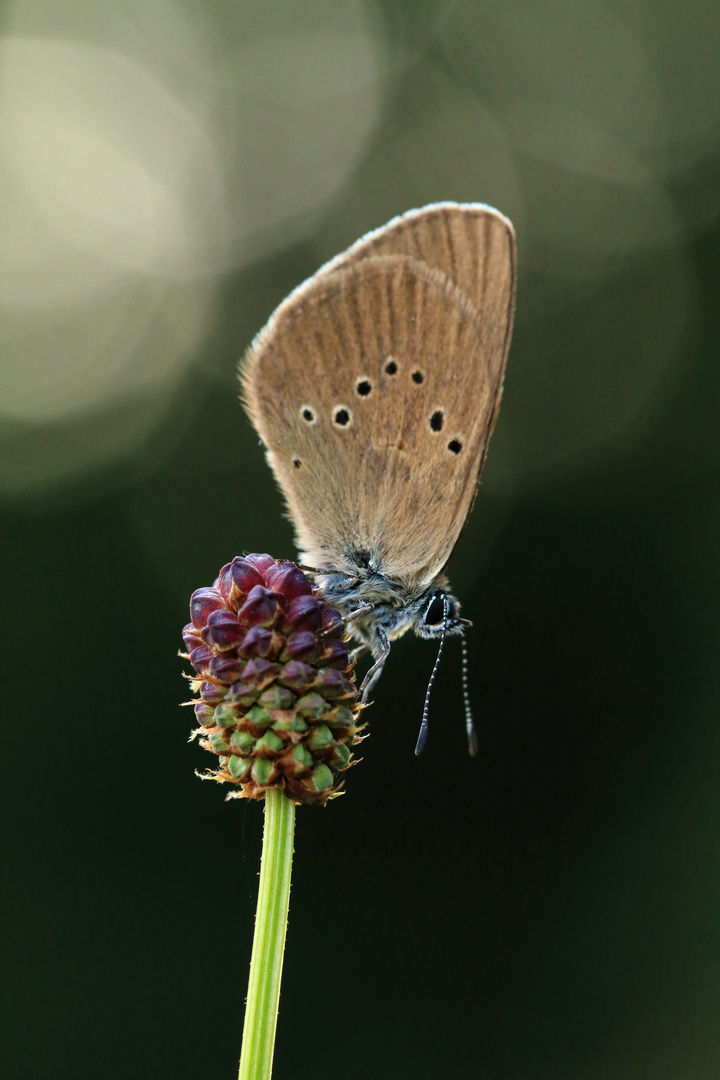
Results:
422 735
473 745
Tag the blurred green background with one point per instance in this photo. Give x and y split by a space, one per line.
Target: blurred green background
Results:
549 910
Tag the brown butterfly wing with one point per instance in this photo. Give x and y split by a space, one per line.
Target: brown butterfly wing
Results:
386 481
472 244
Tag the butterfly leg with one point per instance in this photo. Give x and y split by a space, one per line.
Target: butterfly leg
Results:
373 673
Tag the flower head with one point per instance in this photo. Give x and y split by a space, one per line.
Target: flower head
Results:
277 704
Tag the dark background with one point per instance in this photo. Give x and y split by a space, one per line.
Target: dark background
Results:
549 909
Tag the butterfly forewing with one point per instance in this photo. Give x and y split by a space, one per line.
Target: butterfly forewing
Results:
472 244
375 388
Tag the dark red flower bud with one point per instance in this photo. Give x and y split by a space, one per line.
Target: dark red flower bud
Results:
297 675
302 645
288 579
200 658
191 637
330 682
304 613
263 607
334 654
226 669
333 623
202 602
243 694
222 630
204 714
237 578
262 563
212 693
260 672
258 641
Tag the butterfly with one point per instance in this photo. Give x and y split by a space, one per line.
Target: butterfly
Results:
375 387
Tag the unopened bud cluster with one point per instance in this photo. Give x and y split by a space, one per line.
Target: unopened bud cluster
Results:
276 704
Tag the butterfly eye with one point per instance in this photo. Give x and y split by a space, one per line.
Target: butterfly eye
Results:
436 610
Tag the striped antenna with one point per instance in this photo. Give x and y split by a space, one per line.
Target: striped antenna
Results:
422 735
473 745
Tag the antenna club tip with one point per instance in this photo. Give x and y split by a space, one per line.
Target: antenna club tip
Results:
473 744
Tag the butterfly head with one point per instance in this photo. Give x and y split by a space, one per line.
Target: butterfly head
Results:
439 613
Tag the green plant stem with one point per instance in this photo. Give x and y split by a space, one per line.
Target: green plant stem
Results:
263 996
